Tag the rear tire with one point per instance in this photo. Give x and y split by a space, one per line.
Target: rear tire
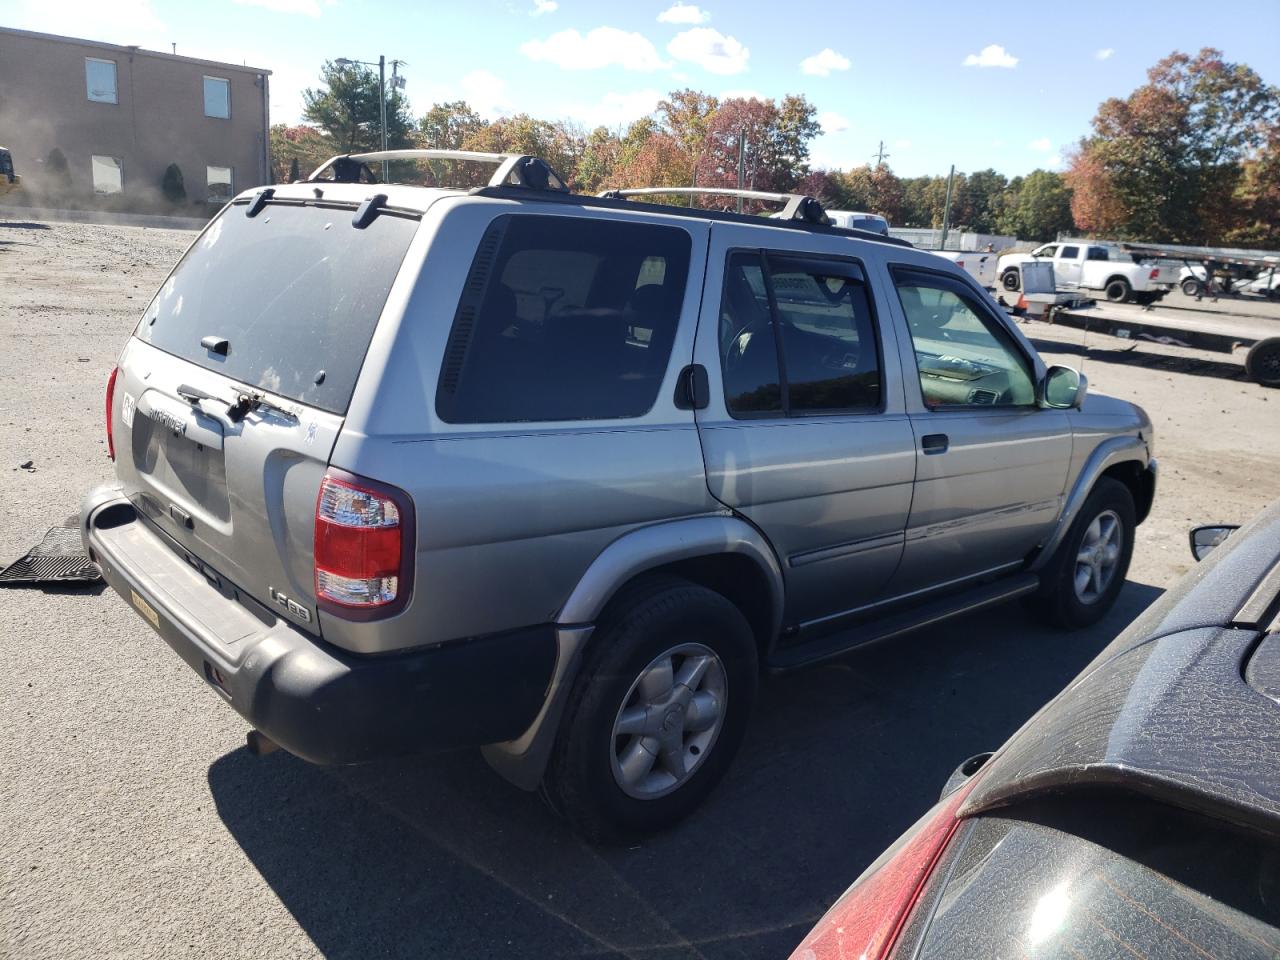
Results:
630 758
1011 280
1191 287
1118 290
1262 363
1081 582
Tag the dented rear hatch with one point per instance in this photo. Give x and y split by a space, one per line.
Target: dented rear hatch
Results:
232 392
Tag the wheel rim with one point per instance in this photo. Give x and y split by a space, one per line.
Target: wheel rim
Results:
1099 557
669 721
1010 281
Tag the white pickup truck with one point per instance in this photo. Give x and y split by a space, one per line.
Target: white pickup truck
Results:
979 264
1079 265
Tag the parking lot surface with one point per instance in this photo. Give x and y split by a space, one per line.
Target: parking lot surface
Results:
134 824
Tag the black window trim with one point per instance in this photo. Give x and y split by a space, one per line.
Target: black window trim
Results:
767 258
970 289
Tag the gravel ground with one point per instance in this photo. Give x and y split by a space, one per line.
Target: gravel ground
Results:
133 824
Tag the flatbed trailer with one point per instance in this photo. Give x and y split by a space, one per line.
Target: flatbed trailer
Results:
1202 331
1223 268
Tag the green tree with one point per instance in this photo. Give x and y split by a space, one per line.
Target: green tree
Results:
345 107
982 201
171 185
446 126
1036 207
1163 163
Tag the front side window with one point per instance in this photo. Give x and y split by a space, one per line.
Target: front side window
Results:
108 174
797 337
221 184
1049 251
100 80
1069 253
564 318
965 357
217 98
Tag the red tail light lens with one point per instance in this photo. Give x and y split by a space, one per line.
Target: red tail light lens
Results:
1154 273
866 921
111 396
363 546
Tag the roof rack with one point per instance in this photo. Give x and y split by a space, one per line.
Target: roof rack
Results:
514 169
798 206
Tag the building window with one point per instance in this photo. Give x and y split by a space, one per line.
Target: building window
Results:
221 184
217 98
108 175
100 80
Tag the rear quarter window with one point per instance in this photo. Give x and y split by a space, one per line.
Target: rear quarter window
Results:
564 318
296 291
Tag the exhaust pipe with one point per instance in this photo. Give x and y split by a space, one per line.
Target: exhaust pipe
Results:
259 744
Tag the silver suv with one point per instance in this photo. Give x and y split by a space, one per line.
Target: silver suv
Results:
404 468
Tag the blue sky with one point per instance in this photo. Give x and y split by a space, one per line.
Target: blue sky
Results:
1004 85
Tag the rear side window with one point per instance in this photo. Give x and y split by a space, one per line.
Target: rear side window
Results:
564 318
797 337
295 291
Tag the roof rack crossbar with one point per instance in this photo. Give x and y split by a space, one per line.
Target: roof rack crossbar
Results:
798 206
514 169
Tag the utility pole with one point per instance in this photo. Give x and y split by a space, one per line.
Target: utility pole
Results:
742 163
946 210
880 155
382 105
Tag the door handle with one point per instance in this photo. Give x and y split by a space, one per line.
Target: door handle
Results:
934 443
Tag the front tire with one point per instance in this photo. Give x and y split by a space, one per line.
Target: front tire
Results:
657 713
1084 578
1119 290
1262 363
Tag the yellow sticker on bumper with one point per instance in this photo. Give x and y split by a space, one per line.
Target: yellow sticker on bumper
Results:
145 609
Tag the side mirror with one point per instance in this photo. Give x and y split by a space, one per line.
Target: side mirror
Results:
1063 388
1204 540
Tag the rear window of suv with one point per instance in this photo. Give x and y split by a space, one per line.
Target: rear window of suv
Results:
564 318
295 291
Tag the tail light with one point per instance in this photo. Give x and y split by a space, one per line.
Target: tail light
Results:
111 396
363 547
1155 272
866 921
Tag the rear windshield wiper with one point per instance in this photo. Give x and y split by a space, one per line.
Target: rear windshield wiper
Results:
237 410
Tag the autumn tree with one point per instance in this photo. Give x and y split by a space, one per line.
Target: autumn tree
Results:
298 148
345 107
686 115
776 144
1161 164
446 126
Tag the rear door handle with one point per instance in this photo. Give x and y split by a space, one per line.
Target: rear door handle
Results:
934 443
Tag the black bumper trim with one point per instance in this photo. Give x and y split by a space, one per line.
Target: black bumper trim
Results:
320 703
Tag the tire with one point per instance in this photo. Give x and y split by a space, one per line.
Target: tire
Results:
1262 363
1118 290
1060 600
1011 280
1191 287
689 625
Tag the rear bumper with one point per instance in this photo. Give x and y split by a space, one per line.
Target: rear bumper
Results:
320 703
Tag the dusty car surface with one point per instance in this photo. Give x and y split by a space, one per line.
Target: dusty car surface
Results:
403 468
1136 815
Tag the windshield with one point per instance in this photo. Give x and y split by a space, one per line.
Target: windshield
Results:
295 292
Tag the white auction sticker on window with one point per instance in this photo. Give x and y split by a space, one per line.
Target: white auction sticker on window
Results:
126 409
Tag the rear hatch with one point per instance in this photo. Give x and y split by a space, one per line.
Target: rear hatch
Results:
230 396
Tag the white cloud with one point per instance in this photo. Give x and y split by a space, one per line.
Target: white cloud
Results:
543 6
306 8
992 55
486 93
821 64
903 144
126 21
683 13
1054 162
601 47
711 50
615 109
1040 145
832 122
1103 54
